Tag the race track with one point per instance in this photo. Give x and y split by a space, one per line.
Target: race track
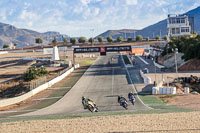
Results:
102 82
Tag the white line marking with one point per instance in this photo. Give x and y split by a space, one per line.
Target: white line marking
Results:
46 98
143 60
133 85
58 88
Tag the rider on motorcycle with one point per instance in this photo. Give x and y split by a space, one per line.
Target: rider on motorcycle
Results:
131 96
86 101
121 100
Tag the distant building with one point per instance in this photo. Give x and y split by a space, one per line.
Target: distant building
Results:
10 46
178 25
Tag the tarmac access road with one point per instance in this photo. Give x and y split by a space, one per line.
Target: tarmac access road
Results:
102 83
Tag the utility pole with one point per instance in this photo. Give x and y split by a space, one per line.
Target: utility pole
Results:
176 52
160 34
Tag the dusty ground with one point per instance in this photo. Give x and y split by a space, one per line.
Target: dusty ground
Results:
29 102
171 122
185 101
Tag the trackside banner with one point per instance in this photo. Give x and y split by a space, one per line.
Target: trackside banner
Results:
118 48
87 50
100 49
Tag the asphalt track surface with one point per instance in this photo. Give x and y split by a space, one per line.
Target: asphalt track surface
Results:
102 83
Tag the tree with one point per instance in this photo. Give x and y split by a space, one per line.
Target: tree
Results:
189 46
119 39
193 32
129 39
165 37
82 40
5 46
109 39
33 72
38 40
139 38
91 40
157 38
100 39
65 40
54 41
73 40
15 44
147 39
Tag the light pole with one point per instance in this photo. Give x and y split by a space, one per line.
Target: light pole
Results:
176 52
167 50
160 34
92 35
154 69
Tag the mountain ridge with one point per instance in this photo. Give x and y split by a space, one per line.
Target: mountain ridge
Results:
160 28
23 37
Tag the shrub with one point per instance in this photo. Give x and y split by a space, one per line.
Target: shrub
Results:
34 72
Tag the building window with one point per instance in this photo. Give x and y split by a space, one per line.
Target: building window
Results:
177 30
173 21
185 29
178 21
173 31
182 20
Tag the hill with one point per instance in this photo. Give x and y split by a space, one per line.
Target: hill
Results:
125 33
11 34
158 28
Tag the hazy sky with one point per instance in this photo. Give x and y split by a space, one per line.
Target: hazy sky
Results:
89 17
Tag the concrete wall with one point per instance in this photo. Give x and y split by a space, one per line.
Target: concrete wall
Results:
10 101
170 63
4 52
146 79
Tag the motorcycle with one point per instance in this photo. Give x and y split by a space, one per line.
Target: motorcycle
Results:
91 106
132 99
123 103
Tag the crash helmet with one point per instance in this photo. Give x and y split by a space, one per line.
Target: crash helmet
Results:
83 97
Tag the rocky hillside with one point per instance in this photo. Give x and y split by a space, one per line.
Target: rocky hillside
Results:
125 33
11 34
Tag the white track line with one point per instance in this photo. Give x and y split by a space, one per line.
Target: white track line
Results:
143 60
133 84
58 88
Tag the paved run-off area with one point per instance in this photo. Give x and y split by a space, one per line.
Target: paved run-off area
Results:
169 122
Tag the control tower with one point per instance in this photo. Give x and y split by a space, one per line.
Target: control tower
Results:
178 25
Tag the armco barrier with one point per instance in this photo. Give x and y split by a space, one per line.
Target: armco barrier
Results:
146 79
10 101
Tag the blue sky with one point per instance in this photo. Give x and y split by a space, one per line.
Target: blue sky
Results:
89 17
